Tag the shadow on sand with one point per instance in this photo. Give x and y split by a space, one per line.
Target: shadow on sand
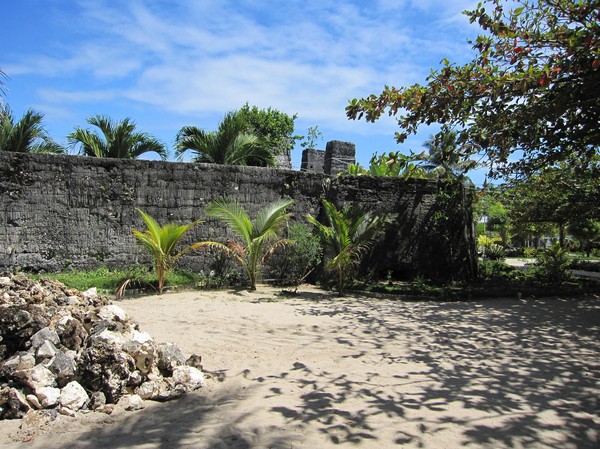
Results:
506 374
533 369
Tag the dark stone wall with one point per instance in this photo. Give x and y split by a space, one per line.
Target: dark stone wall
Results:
58 212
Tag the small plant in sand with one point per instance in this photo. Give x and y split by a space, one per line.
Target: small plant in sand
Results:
161 242
259 239
348 234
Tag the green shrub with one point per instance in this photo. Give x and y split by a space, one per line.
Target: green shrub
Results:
496 269
489 249
300 258
495 252
552 264
222 273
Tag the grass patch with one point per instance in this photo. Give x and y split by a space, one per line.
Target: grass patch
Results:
108 280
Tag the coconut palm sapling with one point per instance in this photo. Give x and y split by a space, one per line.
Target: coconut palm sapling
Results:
348 235
259 239
161 242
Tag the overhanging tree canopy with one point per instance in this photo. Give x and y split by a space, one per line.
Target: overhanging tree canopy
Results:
533 87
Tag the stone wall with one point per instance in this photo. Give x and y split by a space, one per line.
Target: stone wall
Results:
58 212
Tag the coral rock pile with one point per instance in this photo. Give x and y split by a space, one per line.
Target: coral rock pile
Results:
66 351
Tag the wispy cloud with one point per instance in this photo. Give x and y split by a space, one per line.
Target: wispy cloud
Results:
198 59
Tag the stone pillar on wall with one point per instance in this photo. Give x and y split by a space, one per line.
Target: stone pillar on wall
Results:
284 160
312 161
338 156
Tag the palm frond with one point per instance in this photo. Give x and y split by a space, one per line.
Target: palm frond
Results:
272 217
274 246
226 249
233 214
24 136
144 143
91 143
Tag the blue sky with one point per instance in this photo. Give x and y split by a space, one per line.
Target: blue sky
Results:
168 64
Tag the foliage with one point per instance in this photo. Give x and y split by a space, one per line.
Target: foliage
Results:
161 242
552 264
221 273
495 252
108 280
276 127
26 135
498 220
489 248
391 164
496 269
311 139
354 169
2 92
230 144
585 231
556 195
347 235
453 253
494 209
446 157
115 140
259 238
532 86
301 258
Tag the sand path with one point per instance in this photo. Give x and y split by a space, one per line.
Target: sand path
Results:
315 371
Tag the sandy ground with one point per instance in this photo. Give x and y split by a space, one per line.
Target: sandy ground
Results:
315 371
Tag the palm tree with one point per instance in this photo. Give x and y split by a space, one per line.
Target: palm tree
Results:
26 135
446 158
259 238
117 140
348 235
231 144
161 242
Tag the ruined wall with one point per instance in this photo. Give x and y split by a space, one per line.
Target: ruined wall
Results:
313 161
335 159
338 156
70 211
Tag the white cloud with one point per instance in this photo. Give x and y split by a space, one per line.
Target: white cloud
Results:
192 59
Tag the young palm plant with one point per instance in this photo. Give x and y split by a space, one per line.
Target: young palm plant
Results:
347 236
115 140
259 238
161 242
